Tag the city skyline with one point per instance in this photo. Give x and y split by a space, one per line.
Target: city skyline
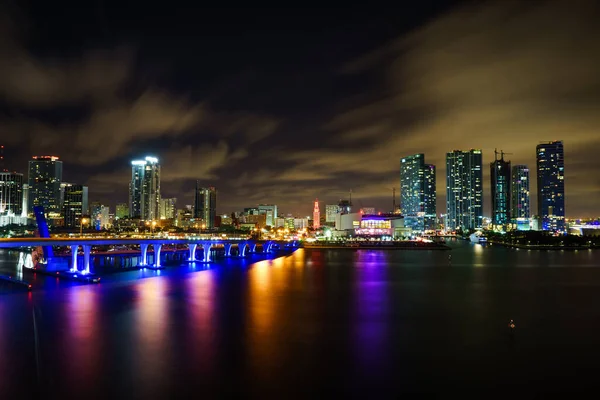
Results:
287 118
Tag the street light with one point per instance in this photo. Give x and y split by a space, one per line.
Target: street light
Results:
82 221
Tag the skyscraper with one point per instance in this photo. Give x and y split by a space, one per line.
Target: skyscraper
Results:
520 193
144 189
205 205
500 175
11 193
316 215
45 176
96 215
551 185
331 210
464 190
75 204
417 192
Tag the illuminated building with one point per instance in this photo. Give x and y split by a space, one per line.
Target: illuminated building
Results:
316 215
551 185
270 210
122 211
96 215
417 194
500 174
520 196
464 190
167 208
75 205
368 210
144 189
205 205
45 177
331 210
383 225
345 206
11 198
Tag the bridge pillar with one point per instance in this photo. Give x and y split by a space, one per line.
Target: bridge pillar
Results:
192 247
74 250
206 247
242 249
267 247
227 249
86 258
157 248
144 248
254 246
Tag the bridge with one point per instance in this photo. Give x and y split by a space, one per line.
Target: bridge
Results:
243 247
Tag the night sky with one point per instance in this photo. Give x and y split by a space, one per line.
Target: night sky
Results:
285 105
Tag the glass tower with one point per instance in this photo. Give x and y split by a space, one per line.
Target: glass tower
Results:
551 185
144 189
500 175
464 190
520 192
75 204
205 205
11 193
417 192
45 177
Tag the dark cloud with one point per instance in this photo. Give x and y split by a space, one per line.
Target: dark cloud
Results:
498 74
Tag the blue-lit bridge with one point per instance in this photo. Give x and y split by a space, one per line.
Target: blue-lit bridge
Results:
244 246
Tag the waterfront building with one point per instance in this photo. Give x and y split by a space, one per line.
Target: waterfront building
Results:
464 190
551 185
205 205
520 204
75 204
96 215
417 192
270 210
500 175
45 177
331 210
144 189
11 199
316 215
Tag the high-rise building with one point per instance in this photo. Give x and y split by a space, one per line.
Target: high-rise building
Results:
122 210
25 200
104 217
551 185
464 190
45 177
144 189
270 210
316 215
11 193
205 205
75 204
331 210
167 208
96 215
500 174
520 193
417 193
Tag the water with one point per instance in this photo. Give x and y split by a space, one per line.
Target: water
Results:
360 323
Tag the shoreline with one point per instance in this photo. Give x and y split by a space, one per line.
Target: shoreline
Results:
406 246
543 247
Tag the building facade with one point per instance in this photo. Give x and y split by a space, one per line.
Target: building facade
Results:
464 190
417 192
551 185
167 208
500 175
520 194
75 204
45 177
316 215
270 210
122 210
205 205
144 189
331 210
11 193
